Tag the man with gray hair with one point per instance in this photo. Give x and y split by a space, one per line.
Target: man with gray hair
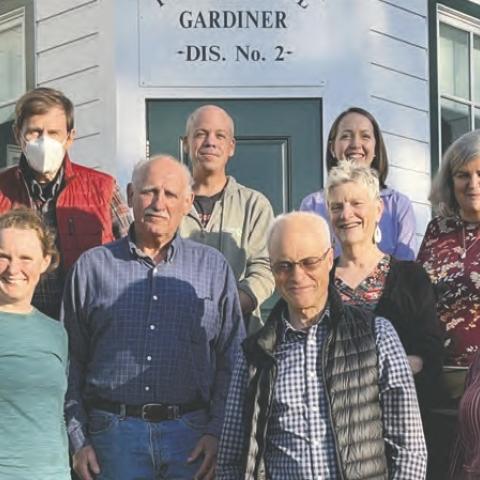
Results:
226 215
154 323
323 390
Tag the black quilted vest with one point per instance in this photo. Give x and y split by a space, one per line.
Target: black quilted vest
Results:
350 368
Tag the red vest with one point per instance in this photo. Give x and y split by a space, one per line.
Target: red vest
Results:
83 207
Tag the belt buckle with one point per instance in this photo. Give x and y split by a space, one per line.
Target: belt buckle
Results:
145 410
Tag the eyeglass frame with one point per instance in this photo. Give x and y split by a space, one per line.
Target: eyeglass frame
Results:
306 267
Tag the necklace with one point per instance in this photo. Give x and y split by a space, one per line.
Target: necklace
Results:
465 248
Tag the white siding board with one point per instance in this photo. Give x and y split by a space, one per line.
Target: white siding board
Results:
400 24
88 118
399 56
67 27
399 87
419 7
88 151
423 214
80 87
67 59
48 8
416 185
408 154
400 120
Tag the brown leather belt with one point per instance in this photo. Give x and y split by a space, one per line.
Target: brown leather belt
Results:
150 412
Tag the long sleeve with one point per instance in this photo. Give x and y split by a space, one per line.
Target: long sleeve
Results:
403 433
72 317
258 280
406 242
233 433
226 349
120 213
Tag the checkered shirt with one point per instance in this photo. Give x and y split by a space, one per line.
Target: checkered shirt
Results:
48 294
300 439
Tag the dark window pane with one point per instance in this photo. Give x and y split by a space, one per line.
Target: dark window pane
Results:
476 68
454 62
477 118
455 120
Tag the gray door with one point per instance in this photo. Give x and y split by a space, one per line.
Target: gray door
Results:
278 143
278 152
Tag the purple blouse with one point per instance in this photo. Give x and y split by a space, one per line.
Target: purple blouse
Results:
397 223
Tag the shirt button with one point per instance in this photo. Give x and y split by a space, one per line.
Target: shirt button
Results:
311 374
147 388
149 358
155 297
152 327
314 408
154 271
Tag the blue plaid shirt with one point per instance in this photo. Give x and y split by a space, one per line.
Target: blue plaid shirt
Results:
300 439
144 333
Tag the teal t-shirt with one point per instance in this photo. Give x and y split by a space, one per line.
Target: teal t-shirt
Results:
33 382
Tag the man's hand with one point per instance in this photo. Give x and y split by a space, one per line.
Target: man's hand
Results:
416 363
206 446
246 303
85 463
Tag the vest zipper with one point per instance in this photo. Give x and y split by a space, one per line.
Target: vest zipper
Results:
71 226
324 362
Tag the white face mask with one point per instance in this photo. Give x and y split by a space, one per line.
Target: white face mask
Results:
45 154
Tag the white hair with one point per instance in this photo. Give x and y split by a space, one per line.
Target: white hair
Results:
140 167
315 220
346 172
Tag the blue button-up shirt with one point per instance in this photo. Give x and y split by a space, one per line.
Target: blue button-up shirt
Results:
145 333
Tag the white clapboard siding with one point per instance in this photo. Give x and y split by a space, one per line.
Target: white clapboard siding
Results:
81 87
88 151
67 59
398 55
403 121
88 118
49 8
419 7
400 24
423 214
67 27
416 185
398 87
407 153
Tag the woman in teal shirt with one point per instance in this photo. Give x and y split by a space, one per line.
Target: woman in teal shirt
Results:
33 357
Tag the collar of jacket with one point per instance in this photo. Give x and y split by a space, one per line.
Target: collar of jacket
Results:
68 171
260 347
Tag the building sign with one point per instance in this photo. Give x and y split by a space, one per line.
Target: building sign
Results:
229 42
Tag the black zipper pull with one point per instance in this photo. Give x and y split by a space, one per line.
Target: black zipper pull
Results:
71 226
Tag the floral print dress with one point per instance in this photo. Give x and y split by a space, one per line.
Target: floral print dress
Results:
450 253
369 290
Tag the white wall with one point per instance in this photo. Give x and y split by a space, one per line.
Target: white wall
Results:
370 53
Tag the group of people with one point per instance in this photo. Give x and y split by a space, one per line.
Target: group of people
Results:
170 372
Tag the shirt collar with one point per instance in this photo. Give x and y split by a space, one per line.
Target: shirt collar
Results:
172 250
45 191
288 329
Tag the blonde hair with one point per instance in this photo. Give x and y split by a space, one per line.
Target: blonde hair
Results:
24 218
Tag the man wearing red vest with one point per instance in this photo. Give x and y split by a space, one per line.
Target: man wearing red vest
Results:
82 206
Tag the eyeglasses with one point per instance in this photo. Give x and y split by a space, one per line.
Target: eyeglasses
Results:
308 264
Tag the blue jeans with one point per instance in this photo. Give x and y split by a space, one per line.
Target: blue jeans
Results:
130 448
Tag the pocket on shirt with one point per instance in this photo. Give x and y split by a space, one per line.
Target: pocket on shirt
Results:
101 422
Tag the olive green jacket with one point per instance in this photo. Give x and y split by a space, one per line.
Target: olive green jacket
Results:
238 228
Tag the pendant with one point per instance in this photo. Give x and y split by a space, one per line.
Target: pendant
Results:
463 255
